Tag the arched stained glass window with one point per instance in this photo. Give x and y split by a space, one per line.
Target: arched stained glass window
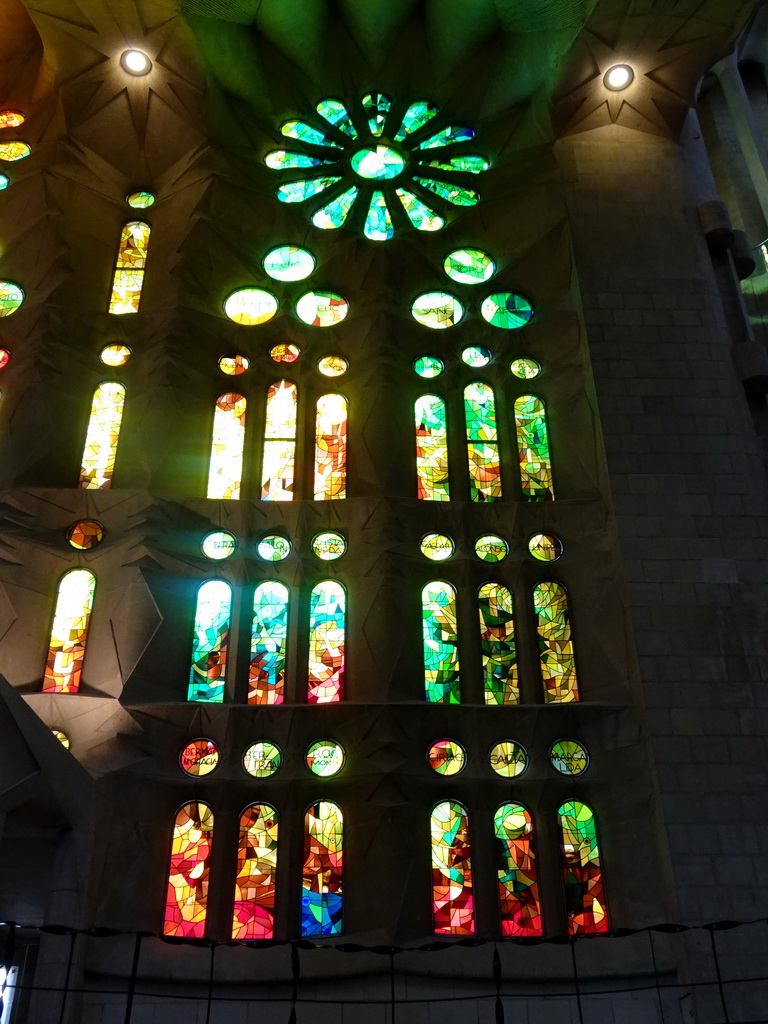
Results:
278 466
321 898
331 448
533 449
129 268
519 900
441 654
497 642
102 436
582 872
225 470
186 903
327 622
482 443
269 634
254 913
208 673
452 899
431 449
64 664
556 656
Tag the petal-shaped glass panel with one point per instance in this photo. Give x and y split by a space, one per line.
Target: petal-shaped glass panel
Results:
378 223
285 160
333 214
437 310
306 133
419 214
472 163
447 137
376 106
337 114
452 193
415 117
298 191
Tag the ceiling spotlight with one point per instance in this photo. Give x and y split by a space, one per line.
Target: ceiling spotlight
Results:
618 77
135 62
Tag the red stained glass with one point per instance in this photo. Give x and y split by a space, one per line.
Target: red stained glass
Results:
254 915
187 898
452 897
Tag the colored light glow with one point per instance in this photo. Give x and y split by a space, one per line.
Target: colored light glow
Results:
378 162
269 641
569 757
130 268
135 62
545 547
306 133
469 266
446 757
447 137
115 355
475 356
325 758
329 545
506 310
85 534
582 871
278 461
322 309
251 306
5 358
451 193
321 899
234 365
262 759
289 263
208 671
298 191
533 449
219 544
64 664
284 353
423 217
5 181
226 464
187 897
452 898
331 448
508 759
102 436
519 900
376 106
254 904
335 113
482 443
497 644
491 548
437 547
61 737
431 449
12 151
11 119
524 368
274 547
555 643
470 163
327 621
333 366
284 160
415 117
140 200
429 366
200 757
11 297
437 310
334 213
439 632
378 222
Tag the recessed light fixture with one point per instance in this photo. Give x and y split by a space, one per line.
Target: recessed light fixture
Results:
135 62
618 77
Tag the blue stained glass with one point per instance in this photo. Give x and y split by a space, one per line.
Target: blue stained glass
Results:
211 640
283 159
378 223
447 137
337 114
266 676
333 214
320 913
472 163
306 133
415 117
298 191
376 106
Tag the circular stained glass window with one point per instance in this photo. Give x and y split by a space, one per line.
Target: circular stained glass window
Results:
329 545
233 366
325 758
322 309
508 759
437 546
4 181
476 356
140 200
377 162
274 547
289 263
115 355
85 534
61 737
262 759
437 310
469 266
446 757
5 357
506 310
284 353
333 366
251 306
219 544
491 548
524 368
545 547
429 366
11 297
569 757
199 757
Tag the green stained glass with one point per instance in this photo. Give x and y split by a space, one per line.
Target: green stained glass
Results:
420 215
475 356
415 117
329 545
491 548
437 310
497 643
274 547
441 655
219 544
447 137
333 214
140 200
306 133
376 106
533 449
453 193
569 757
508 759
453 901
211 639
516 872
4 181
284 160
279 453
262 759
298 191
472 163
431 449
337 114
545 547
269 632
325 758
482 446
506 310
289 263
437 547
429 366
11 297
582 870
446 757
378 223
469 266
378 162
524 368
555 642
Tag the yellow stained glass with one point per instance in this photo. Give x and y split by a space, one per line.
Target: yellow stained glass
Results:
279 443
129 268
102 436
11 151
226 465
64 665
331 448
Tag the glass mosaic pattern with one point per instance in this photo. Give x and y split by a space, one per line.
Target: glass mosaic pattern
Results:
331 448
101 438
533 449
11 297
439 633
446 757
278 461
254 905
225 468
328 545
423 217
376 106
475 356
491 548
186 901
506 310
325 758
12 151
415 117
274 547
469 266
337 114
85 534
378 221
334 214
429 366
250 307
437 547
569 757
129 268
519 900
285 160
210 642
269 638
453 905
306 133
289 263
5 358
555 643
234 365
471 163
199 758
262 759
508 759
482 443
582 871
447 137
431 449
497 644
377 162
452 193
140 200
218 544
284 353
525 368
298 191
69 633
11 119
327 621
322 309
115 355
545 547
333 366
321 899
437 310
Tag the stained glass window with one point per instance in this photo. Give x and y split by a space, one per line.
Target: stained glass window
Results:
284 160
331 448
452 898
234 365
322 309
439 632
332 366
327 623
321 898
250 307
451 193
525 368
329 545
378 222
582 872
11 297
545 547
497 643
115 355
422 217
334 213
429 366
254 912
298 191
102 436
469 266
533 449
431 449
11 151
85 534
446 757
140 200
129 269
11 119
437 546
262 759
447 137
210 643
218 545
506 310
226 466
508 759
306 133
491 548
476 356
556 655
278 465
482 443
437 310
471 163
337 114
284 353
64 664
199 758
516 871
269 635
569 757
289 263
376 106
187 899
325 758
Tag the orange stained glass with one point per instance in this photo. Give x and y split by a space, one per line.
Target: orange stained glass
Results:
278 466
64 665
453 902
187 898
11 119
129 268
582 870
225 469
102 436
516 871
327 625
85 534
331 448
254 914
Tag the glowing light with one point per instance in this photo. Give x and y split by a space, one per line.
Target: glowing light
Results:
516 872
101 439
130 268
333 366
439 632
329 545
187 896
12 151
234 365
219 544
210 643
226 463
331 448
497 644
11 297
200 757
11 119
327 620
533 449
254 904
115 355
491 548
429 366
446 757
85 534
277 473
135 62
322 309
569 757
556 654
452 897
508 759
545 547
284 353
321 899
482 443
325 758
274 547
140 200
289 263
437 310
618 77
431 449
269 637
437 547
251 306
378 162
524 368
64 665
262 759
582 871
